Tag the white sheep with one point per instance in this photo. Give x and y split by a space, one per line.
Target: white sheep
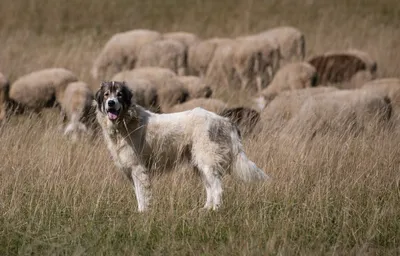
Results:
255 57
186 38
76 105
270 47
389 87
166 53
291 43
341 112
145 92
364 76
246 63
293 76
245 118
40 89
220 70
196 86
170 90
210 104
121 52
154 74
285 105
201 53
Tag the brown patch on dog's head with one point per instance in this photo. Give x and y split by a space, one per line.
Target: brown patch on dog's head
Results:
113 99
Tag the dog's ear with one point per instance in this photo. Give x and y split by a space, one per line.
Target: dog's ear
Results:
98 97
128 94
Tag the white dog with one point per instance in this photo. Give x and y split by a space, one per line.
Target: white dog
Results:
141 141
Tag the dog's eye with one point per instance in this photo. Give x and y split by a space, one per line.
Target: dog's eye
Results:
119 94
106 94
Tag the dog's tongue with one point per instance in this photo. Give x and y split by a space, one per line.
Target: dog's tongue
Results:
112 116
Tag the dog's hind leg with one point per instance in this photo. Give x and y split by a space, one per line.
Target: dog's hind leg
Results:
209 200
213 185
141 182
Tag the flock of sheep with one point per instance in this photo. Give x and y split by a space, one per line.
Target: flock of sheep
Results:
178 71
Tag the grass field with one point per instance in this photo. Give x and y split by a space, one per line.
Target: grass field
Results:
337 196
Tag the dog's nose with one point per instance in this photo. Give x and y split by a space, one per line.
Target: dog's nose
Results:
111 103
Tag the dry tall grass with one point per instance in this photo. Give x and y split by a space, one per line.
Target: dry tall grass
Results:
335 196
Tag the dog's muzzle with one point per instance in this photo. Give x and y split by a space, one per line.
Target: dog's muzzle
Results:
112 108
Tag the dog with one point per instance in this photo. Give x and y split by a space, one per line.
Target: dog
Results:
141 141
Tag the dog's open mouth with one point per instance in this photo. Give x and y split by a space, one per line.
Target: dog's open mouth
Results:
112 114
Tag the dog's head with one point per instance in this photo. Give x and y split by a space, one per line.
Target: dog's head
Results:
113 99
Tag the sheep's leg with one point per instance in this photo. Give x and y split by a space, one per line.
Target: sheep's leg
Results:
62 120
141 182
202 73
181 71
2 113
63 116
245 82
259 83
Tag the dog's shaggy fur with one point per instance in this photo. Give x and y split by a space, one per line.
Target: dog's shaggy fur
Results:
141 141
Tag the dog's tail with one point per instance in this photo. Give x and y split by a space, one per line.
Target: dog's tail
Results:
243 168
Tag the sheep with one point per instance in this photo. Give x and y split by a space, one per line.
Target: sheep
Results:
4 91
173 93
256 57
352 68
196 86
362 76
144 91
187 39
340 112
220 70
153 74
41 89
210 104
201 53
372 66
389 87
244 118
76 105
169 89
166 53
121 52
269 45
291 43
247 62
285 105
296 75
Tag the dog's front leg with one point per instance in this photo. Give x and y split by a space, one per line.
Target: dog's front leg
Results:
141 182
